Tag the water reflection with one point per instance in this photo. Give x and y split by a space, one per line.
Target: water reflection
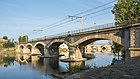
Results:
6 60
76 64
45 68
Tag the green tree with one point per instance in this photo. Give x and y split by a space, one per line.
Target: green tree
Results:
19 39
23 38
5 37
8 44
118 48
126 12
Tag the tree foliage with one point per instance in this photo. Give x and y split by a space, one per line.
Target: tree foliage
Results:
118 48
23 38
8 44
126 12
5 37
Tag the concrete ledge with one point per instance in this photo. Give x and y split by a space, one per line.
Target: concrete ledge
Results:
73 60
134 49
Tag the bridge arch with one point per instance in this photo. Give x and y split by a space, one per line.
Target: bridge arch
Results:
82 42
28 48
39 43
21 47
54 46
28 44
91 38
55 41
39 48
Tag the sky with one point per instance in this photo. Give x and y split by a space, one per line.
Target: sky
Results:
29 17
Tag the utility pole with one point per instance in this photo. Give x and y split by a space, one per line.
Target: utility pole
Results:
76 17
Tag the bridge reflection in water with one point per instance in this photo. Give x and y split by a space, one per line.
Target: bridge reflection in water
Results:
46 67
50 65
54 65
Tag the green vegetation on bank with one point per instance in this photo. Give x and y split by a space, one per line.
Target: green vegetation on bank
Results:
8 44
23 38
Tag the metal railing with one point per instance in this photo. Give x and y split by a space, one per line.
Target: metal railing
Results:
109 25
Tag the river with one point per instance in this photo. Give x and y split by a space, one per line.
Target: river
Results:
44 68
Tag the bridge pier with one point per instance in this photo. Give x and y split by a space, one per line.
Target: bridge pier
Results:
134 41
35 51
127 44
26 53
82 49
75 54
53 50
46 51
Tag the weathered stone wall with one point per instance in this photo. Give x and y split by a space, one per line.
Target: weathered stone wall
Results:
135 41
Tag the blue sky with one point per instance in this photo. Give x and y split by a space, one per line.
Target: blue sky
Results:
21 17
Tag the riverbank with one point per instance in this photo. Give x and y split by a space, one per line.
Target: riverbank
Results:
125 70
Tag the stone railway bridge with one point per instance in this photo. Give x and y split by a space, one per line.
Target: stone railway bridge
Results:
128 36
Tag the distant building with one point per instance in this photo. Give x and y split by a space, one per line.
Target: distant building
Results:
63 50
98 48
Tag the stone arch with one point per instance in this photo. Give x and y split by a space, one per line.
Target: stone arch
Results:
39 48
88 39
82 42
28 44
39 43
21 47
28 48
54 46
55 41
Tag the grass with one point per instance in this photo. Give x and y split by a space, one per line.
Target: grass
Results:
2 40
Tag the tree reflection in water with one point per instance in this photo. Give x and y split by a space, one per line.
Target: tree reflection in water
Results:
6 60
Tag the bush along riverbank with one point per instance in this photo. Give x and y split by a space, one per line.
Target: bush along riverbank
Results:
125 70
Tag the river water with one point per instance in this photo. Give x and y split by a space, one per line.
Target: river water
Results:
43 69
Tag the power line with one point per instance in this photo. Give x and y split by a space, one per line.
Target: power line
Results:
84 12
63 21
104 13
83 16
96 7
61 24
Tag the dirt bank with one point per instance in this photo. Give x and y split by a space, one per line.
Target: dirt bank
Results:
126 70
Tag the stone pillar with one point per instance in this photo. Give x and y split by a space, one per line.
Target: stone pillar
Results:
46 51
26 53
35 54
35 51
82 49
135 41
74 53
127 44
